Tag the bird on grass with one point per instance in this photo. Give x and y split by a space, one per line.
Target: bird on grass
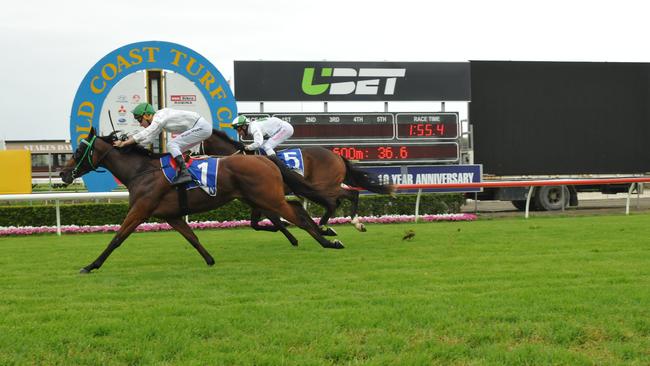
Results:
408 235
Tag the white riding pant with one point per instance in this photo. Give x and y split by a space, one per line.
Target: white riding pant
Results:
201 130
279 137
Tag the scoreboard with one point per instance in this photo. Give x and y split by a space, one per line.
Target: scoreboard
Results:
376 137
341 126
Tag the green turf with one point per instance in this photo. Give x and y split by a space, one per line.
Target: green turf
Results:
543 291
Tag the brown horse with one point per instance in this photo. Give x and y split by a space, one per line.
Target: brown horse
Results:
325 171
255 180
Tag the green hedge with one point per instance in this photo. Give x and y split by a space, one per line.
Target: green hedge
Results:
114 213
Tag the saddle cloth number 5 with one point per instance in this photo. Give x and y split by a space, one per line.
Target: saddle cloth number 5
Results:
291 159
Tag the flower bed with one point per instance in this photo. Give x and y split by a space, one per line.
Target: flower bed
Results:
73 229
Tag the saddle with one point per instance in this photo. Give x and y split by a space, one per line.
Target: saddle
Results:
202 170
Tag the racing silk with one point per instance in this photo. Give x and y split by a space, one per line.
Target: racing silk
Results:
171 120
266 127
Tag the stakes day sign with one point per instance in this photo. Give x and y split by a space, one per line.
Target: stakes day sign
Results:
113 67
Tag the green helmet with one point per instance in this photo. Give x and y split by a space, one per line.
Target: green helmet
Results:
239 122
143 108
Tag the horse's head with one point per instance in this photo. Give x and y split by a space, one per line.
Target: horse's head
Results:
85 158
221 144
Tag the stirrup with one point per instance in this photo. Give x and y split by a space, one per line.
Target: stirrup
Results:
182 179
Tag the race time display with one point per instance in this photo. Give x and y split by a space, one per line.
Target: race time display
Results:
376 137
433 126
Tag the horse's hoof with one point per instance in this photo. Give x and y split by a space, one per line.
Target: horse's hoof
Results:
84 271
336 244
210 262
328 231
294 243
358 224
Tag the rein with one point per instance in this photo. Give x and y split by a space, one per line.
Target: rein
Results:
88 153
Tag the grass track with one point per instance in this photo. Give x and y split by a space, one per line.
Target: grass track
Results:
561 290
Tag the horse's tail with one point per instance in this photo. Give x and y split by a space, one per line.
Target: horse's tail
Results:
355 177
298 185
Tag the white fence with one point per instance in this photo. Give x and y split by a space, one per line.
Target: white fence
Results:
635 181
58 197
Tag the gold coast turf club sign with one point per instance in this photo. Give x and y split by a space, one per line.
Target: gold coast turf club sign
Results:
112 68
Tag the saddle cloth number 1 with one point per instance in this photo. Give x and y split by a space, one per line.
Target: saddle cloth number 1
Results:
204 173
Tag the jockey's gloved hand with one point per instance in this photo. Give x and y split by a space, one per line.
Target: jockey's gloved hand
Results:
249 148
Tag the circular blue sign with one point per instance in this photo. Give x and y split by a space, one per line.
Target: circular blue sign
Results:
112 68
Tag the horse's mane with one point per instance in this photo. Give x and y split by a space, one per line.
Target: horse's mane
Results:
137 149
109 138
223 136
131 149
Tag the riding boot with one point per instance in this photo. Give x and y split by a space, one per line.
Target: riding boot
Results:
183 175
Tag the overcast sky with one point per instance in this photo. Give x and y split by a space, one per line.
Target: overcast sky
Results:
47 47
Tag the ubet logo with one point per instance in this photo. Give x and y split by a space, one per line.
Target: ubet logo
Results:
363 87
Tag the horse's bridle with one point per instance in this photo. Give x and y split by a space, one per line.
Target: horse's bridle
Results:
88 152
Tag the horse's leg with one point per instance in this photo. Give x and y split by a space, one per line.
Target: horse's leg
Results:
295 213
322 224
256 215
275 219
182 227
131 222
353 196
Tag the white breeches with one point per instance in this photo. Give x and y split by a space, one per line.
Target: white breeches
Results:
283 133
190 138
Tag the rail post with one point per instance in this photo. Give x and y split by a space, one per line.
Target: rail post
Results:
58 217
530 194
629 194
417 204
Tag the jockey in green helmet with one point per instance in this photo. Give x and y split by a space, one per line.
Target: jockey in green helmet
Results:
267 133
190 127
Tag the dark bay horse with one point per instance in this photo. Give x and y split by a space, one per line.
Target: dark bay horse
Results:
325 171
257 181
